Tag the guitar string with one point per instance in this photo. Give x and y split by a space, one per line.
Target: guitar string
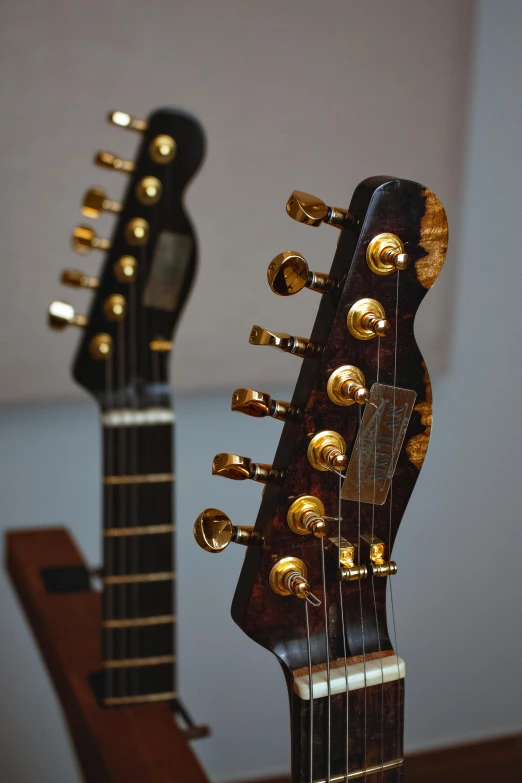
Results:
360 590
372 577
343 630
107 543
328 683
311 688
134 490
121 490
390 581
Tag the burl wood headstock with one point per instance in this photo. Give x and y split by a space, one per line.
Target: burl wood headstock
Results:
149 262
355 432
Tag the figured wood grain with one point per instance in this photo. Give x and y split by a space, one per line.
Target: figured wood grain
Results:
135 744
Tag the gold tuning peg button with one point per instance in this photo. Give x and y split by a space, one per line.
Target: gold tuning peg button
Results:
123 120
367 319
327 451
385 254
288 273
76 279
259 405
214 531
95 202
298 346
312 211
346 386
61 314
238 468
84 240
109 161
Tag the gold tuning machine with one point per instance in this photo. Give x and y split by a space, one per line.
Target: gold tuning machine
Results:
385 254
108 160
95 202
238 468
76 279
327 451
288 577
259 405
312 211
306 515
288 273
298 346
214 531
84 240
366 319
61 314
346 386
123 120
348 570
379 566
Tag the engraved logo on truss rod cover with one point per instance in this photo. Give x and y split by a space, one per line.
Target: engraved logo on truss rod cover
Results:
378 444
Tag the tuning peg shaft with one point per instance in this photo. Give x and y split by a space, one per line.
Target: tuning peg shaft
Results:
327 451
84 240
385 254
288 273
238 468
214 531
259 405
366 319
312 211
298 346
61 314
123 120
76 279
95 202
108 160
346 386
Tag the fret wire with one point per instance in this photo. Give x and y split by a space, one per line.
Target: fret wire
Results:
140 478
139 622
139 530
126 663
144 699
160 576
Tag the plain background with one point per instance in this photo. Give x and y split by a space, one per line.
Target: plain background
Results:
321 99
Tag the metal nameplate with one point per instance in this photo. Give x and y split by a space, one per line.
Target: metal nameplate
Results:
378 444
168 269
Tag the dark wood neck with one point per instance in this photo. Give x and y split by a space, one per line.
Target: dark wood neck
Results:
374 724
138 617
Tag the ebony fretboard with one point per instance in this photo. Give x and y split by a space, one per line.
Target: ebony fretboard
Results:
138 639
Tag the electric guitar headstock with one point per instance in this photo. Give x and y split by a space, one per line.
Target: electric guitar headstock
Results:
313 585
149 264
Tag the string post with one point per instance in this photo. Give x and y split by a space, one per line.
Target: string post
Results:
306 515
366 320
385 254
289 577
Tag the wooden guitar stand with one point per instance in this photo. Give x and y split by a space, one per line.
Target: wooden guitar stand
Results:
135 744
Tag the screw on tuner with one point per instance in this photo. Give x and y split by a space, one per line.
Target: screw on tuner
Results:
214 531
237 468
258 405
312 211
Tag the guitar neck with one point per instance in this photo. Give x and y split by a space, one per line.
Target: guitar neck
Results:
138 639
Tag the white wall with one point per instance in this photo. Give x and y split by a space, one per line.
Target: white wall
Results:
457 594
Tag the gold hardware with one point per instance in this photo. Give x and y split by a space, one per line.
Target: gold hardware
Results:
362 773
125 663
125 269
288 273
348 571
385 254
84 240
258 405
114 701
108 160
137 231
326 451
288 577
143 478
143 530
95 201
139 622
306 515
367 319
124 120
298 346
61 314
128 579
238 468
161 346
148 190
101 346
77 279
214 531
379 566
352 573
311 210
114 307
346 386
162 149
